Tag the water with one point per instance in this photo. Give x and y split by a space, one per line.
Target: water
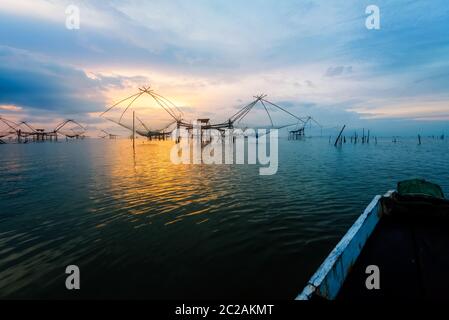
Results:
140 227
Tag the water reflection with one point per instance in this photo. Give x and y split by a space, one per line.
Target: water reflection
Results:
140 226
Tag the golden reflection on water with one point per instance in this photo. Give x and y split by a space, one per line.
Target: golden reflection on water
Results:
145 182
157 226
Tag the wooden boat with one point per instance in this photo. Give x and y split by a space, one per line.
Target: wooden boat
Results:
405 235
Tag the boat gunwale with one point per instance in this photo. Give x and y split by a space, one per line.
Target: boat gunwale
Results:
330 276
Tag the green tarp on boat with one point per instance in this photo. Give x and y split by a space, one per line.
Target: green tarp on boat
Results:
419 187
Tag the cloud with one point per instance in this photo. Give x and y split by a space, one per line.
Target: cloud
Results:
37 84
31 82
204 37
338 71
10 108
211 55
294 104
309 83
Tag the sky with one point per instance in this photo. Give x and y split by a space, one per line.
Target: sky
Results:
210 58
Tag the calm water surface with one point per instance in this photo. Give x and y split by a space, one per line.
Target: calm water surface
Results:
139 226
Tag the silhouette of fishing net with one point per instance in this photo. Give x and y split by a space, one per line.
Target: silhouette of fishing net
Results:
264 114
70 129
147 111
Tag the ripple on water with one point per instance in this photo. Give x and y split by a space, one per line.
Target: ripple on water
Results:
181 231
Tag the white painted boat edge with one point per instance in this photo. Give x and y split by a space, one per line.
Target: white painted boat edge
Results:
330 276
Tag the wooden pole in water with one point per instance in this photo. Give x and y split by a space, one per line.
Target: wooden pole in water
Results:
134 130
367 139
419 139
339 135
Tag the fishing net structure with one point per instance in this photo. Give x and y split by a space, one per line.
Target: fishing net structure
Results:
262 113
70 129
7 128
154 115
105 134
148 112
12 129
18 130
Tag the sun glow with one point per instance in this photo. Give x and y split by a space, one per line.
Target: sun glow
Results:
10 107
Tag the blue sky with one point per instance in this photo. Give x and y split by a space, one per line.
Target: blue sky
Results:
315 57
